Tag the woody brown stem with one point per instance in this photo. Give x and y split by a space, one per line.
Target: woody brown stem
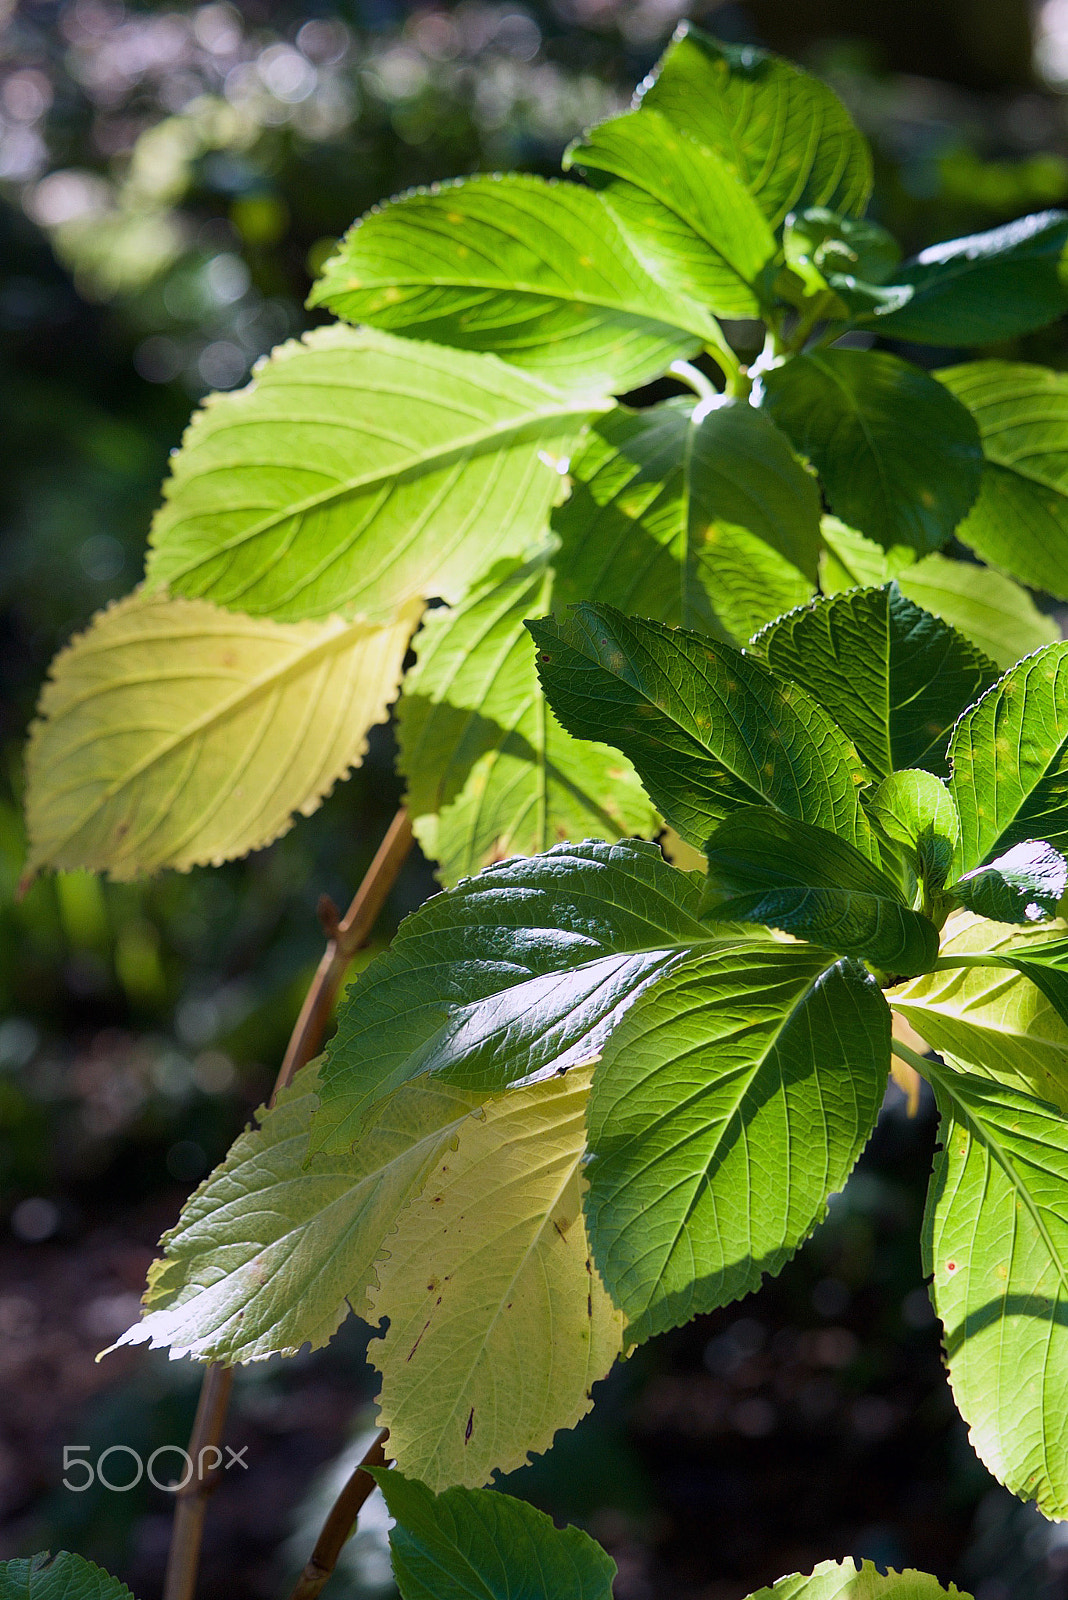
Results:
340 1523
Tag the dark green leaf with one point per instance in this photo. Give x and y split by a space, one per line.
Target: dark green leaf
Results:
58 1577
1020 520
684 207
479 1544
510 976
538 273
894 677
767 868
731 1102
984 288
789 136
1024 885
707 728
820 245
899 456
1009 756
916 813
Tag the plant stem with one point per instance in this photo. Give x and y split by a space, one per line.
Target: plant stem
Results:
694 379
946 963
345 935
340 1523
915 1061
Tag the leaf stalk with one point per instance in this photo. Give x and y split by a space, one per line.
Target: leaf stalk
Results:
340 1523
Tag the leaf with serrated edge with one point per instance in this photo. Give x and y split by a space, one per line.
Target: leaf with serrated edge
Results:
986 606
790 137
357 472
173 733
1026 884
706 519
686 209
515 974
846 1580
1009 758
767 868
993 1018
1020 520
898 455
275 1246
538 272
894 677
498 1323
707 728
58 1577
730 1102
996 1242
478 1544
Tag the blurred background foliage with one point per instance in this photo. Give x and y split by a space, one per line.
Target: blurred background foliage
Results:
170 180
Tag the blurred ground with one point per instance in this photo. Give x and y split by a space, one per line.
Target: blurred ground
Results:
169 180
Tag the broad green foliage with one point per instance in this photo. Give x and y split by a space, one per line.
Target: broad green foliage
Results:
732 1100
996 1241
476 1544
1020 520
498 1322
789 137
1009 756
894 678
521 971
707 728
58 1577
275 1246
357 472
767 868
915 811
1024 885
539 273
845 1580
173 732
899 456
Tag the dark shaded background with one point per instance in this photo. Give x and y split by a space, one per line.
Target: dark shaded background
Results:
169 181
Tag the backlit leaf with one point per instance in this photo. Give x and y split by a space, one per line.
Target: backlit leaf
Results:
789 136
539 273
846 1580
996 1240
730 1102
1026 884
899 456
477 1544
707 728
58 1577
173 732
915 811
894 677
498 1324
357 472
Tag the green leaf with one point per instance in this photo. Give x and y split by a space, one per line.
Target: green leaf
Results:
991 1016
704 517
489 773
984 288
515 974
357 472
498 1325
276 1245
988 608
684 207
1009 756
173 733
478 1544
767 868
58 1577
1046 964
899 456
1020 520
788 135
916 813
707 728
730 1102
821 246
845 1580
1026 884
893 677
540 273
996 1241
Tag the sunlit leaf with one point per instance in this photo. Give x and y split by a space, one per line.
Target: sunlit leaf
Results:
58 1577
1026 884
173 732
915 811
498 1324
846 1580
